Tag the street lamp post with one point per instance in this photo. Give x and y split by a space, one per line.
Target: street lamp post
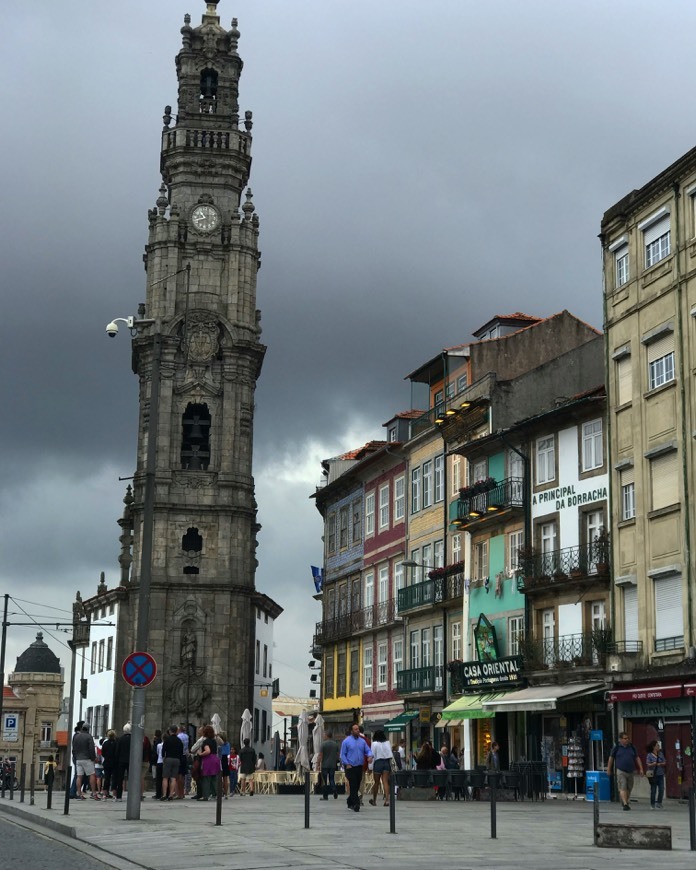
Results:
143 624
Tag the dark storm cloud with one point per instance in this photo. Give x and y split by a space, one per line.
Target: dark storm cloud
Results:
416 169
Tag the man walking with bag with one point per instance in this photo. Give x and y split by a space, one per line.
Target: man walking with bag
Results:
354 753
625 759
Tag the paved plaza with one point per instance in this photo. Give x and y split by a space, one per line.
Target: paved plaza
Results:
267 832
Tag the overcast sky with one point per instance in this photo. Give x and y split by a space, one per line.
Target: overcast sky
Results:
417 168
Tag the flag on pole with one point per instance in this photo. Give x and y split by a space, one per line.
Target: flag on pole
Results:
318 576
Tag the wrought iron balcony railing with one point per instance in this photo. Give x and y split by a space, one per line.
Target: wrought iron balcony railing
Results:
580 650
667 644
355 621
475 506
569 565
420 680
431 591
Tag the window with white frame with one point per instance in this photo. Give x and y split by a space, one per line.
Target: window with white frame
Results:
46 732
416 571
93 662
369 587
439 479
391 433
456 548
547 536
397 659
398 577
661 361
356 522
515 633
480 560
426 659
367 667
439 403
462 382
415 490
343 527
656 237
383 588
515 542
479 470
449 390
370 513
456 474
415 648
439 554
331 533
427 483
384 506
456 630
428 557
621 265
592 445
102 650
399 498
628 493
664 480
382 665
545 459
438 655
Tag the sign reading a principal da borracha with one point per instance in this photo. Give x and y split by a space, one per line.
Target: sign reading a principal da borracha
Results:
503 673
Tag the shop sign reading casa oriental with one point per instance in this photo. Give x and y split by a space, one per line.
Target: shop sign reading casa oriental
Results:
504 673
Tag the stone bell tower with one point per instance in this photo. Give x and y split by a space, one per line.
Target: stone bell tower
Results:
201 261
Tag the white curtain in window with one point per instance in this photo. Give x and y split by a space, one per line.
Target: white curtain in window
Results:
630 603
669 618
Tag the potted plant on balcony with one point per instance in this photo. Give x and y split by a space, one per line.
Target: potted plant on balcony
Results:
600 547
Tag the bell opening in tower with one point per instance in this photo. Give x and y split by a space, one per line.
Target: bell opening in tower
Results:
195 440
208 97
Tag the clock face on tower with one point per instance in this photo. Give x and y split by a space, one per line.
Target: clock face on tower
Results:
205 218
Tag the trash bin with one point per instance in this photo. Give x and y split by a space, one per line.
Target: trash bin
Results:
597 783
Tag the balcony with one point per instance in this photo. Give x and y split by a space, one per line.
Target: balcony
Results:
420 680
587 562
588 649
435 590
485 499
348 624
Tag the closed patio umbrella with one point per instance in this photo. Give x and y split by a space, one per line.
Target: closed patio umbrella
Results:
246 729
302 756
317 740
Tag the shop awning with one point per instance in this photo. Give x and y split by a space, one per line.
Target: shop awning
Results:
645 693
538 698
471 706
399 723
449 723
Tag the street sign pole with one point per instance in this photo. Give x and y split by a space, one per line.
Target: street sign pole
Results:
139 669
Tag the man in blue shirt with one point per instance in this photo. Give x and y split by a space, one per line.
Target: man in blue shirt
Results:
624 759
354 751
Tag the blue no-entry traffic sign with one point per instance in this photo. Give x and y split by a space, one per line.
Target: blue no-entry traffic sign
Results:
139 669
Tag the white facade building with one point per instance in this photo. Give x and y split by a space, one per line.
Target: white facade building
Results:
267 611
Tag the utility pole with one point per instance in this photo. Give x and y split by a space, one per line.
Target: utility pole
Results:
3 645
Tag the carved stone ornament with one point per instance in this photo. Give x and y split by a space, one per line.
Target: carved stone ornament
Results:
191 480
202 341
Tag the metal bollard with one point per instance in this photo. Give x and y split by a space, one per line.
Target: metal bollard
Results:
692 817
392 803
68 780
306 798
595 811
22 783
31 785
493 783
218 800
12 779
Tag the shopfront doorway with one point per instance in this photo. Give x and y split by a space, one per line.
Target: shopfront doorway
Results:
676 745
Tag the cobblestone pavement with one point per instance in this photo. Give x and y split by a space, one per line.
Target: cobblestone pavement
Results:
267 832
